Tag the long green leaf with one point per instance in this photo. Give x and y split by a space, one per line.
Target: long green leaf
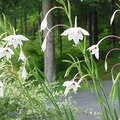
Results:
67 61
118 93
115 114
112 92
71 114
71 66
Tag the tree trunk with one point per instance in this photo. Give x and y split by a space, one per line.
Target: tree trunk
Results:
49 61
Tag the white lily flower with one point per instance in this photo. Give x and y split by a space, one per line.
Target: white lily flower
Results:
15 40
75 33
44 44
43 47
44 24
24 72
6 52
71 85
1 90
95 50
22 56
105 65
113 16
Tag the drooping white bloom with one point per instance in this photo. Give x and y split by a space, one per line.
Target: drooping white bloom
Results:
6 52
105 65
43 47
44 44
24 72
94 49
113 16
71 85
75 33
106 57
1 90
44 24
22 56
15 40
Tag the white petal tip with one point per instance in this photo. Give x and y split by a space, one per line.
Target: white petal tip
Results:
105 66
43 49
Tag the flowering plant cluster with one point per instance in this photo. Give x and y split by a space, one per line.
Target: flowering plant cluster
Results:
78 35
86 69
11 43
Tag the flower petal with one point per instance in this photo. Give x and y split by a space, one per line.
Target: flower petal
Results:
21 37
67 90
43 24
43 47
80 35
24 73
113 16
10 37
105 65
8 55
75 88
76 40
1 84
66 32
97 54
67 83
10 50
22 56
70 36
77 84
84 31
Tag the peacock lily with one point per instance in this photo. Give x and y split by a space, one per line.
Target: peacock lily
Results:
75 33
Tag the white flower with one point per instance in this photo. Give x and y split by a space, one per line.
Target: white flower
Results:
95 50
44 44
113 16
44 24
43 47
24 72
6 52
22 56
71 85
15 40
75 33
105 65
1 90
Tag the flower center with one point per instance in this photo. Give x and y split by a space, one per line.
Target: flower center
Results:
73 83
94 48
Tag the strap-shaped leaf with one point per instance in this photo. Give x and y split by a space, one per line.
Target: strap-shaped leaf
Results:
112 92
71 66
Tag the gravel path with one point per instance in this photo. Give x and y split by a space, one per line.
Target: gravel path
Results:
87 102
